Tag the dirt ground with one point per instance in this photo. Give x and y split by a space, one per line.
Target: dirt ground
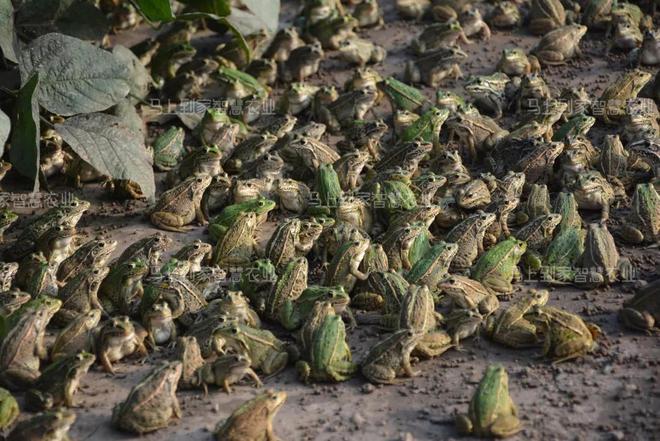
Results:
611 394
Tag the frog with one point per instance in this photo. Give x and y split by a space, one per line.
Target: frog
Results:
168 148
359 51
23 347
56 243
227 217
236 245
237 85
9 409
364 136
596 13
498 266
538 233
435 66
626 36
306 155
256 281
469 236
59 382
7 219
368 14
439 35
181 295
593 192
253 420
290 285
540 126
332 31
92 254
412 9
344 267
11 301
623 88
297 98
640 312
152 403
489 92
426 186
545 16
75 336
601 263
8 272
80 294
566 205
406 155
269 355
505 14
216 129
427 127
402 96
355 211
580 124
647 54
35 276
474 24
560 45
446 99
466 293
205 161
477 132
537 204
122 287
417 313
149 249
533 94
159 324
449 10
329 354
472 195
350 106
187 351
225 371
294 312
433 266
492 412
644 219
249 152
537 164
68 213
349 168
562 255
284 41
168 58
391 357
510 327
515 63
51 426
566 335
405 244
117 338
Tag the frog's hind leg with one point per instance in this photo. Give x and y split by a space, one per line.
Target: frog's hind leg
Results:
505 426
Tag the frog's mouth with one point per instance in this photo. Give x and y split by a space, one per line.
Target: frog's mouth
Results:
339 304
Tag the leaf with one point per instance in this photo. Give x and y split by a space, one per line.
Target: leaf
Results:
267 11
24 152
7 36
5 127
139 79
110 147
222 20
221 8
125 110
155 10
75 77
93 27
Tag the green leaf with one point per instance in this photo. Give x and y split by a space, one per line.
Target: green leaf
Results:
7 36
5 127
24 152
139 79
155 10
220 8
110 147
75 77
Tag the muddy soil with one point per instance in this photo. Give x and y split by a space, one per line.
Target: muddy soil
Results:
611 394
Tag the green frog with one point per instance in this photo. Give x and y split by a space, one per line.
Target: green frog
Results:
644 219
405 244
489 92
168 148
59 382
537 234
562 255
152 403
344 267
225 371
401 95
492 412
227 217
180 205
8 272
7 219
236 245
253 420
329 354
290 285
469 237
498 266
433 265
294 312
390 357
601 263
427 127
417 313
204 161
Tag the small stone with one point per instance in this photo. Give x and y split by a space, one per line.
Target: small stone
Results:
358 419
617 435
367 388
407 437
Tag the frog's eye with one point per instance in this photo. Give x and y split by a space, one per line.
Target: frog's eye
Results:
131 265
74 204
410 333
234 330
